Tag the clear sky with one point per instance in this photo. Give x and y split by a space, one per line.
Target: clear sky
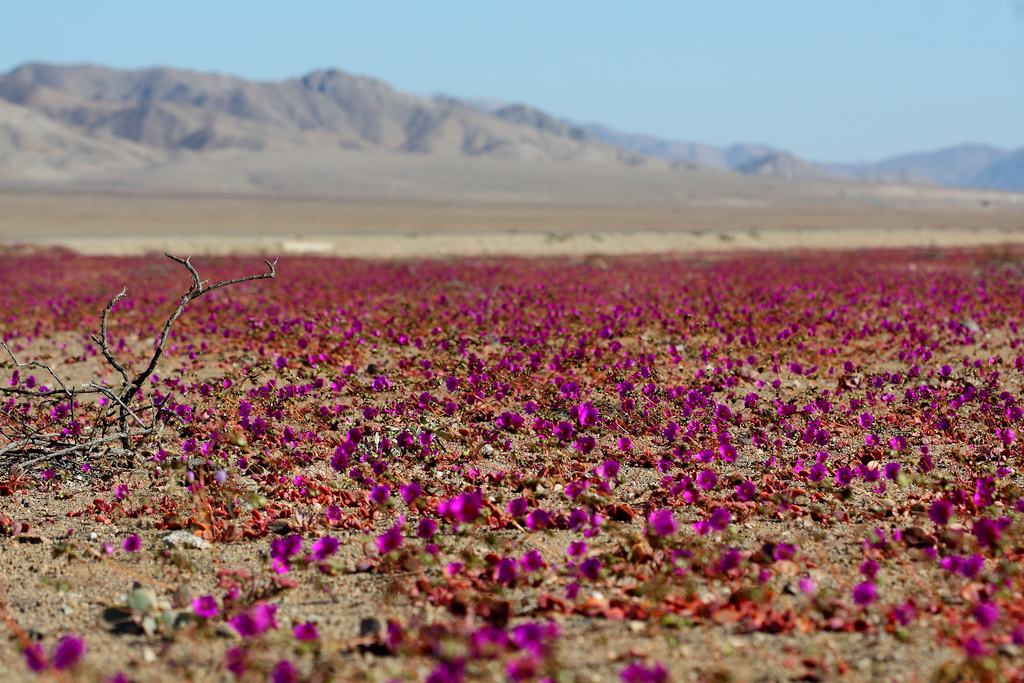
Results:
830 80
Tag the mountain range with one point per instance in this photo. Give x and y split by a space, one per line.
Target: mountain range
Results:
86 126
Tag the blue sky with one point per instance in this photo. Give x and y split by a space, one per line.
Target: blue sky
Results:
829 80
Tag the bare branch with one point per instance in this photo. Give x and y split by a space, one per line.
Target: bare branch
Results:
104 339
84 446
33 364
114 397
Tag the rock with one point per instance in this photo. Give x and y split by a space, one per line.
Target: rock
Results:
183 539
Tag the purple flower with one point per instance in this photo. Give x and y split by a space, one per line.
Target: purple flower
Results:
284 672
864 594
538 520
505 571
587 415
817 472
324 548
426 528
707 480
662 523
625 443
35 659
719 519
255 620
563 431
205 607
609 469
892 471
987 532
410 492
305 631
380 494
865 420
532 561
638 673
132 544
235 661
390 540
869 568
746 491
904 613
940 512
986 614
517 507
577 549
334 513
585 444
466 506
844 475
68 652
591 568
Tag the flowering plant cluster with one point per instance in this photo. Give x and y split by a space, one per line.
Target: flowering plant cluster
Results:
807 444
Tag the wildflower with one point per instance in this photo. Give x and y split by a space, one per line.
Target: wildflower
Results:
538 520
380 494
35 659
625 443
284 672
719 519
426 528
236 662
563 431
808 586
305 631
940 512
638 673
844 475
864 594
205 607
532 561
517 507
662 523
865 420
609 469
132 544
505 571
707 480
324 548
892 471
390 540
591 568
986 614
254 621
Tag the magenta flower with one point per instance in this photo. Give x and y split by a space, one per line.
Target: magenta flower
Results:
844 475
380 494
305 631
986 614
940 512
517 507
426 528
69 652
505 571
719 519
625 443
132 544
639 673
255 620
662 523
205 607
864 594
410 492
324 548
538 520
35 659
609 469
865 420
390 540
892 471
591 568
707 480
532 561
284 672
577 549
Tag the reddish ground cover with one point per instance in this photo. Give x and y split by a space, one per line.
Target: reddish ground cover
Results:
786 467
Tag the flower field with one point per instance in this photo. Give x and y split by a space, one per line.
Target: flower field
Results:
795 466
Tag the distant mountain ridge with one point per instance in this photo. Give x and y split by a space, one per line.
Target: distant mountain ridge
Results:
96 124
975 166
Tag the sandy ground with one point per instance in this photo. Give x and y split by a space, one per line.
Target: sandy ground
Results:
110 224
